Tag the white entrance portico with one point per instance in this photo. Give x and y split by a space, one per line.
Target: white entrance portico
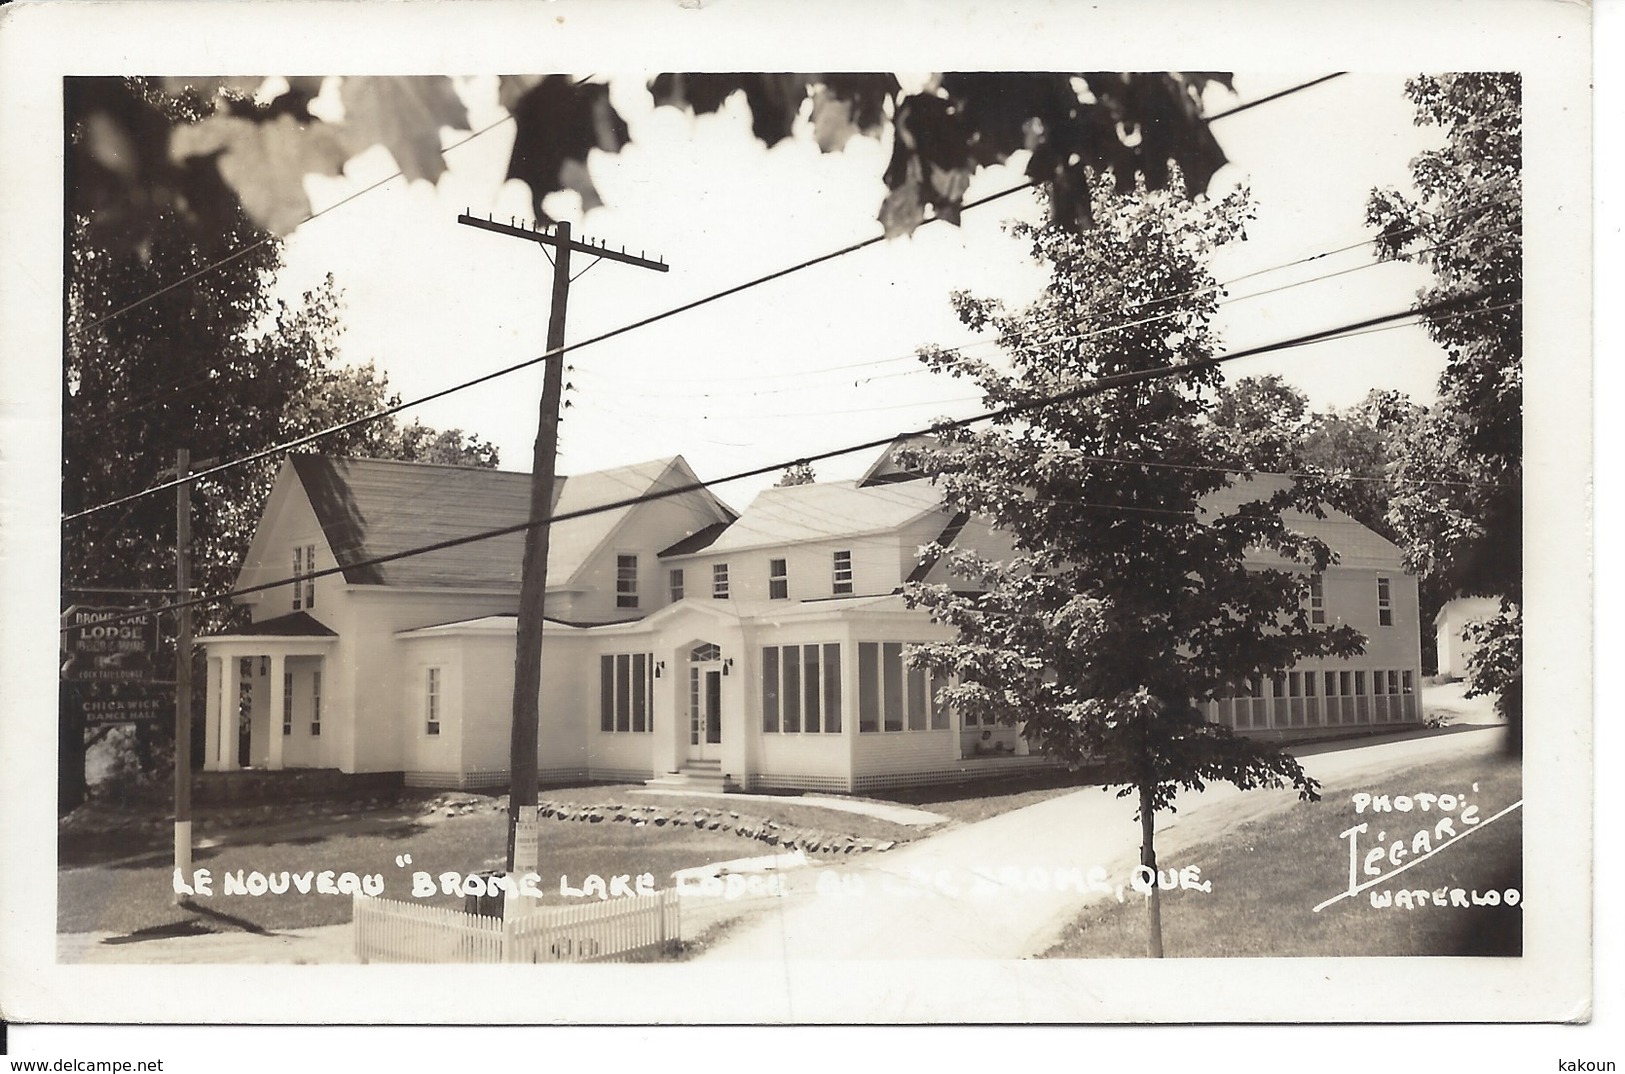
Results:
271 675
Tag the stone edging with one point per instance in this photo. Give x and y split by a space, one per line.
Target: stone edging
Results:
790 837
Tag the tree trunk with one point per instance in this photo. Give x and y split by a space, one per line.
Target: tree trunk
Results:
1148 858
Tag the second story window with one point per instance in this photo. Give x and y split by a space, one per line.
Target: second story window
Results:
778 579
676 580
626 581
1385 603
298 569
719 581
1317 600
842 580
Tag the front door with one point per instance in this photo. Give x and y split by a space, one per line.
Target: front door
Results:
704 713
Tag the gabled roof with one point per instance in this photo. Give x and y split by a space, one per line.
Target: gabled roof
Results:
826 510
697 541
1355 543
373 507
887 469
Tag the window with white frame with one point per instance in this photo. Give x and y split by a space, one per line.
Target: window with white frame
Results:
1385 603
893 696
841 581
304 589
1317 600
626 581
778 579
801 689
674 579
625 692
315 704
719 581
431 702
287 702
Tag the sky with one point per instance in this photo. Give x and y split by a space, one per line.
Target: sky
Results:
825 357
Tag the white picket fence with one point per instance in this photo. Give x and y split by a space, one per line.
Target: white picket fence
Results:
387 930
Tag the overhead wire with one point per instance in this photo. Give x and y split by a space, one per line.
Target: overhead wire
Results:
397 408
1094 387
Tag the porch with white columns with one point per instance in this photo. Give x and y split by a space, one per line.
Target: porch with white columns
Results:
223 701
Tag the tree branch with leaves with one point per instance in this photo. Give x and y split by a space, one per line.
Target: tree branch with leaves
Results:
1134 594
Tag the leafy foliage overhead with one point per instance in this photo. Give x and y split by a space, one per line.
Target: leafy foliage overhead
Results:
145 146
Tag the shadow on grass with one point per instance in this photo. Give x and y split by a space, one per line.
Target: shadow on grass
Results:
1042 780
190 926
142 850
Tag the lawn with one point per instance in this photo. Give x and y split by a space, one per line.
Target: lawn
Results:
977 800
1268 875
783 809
115 868
132 893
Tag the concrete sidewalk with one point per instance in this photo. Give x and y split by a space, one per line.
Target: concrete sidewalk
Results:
1006 887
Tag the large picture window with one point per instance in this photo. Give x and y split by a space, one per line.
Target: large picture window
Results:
801 689
625 690
895 697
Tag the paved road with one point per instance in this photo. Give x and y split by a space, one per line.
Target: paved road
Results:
989 890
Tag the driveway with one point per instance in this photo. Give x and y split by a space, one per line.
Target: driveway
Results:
1004 888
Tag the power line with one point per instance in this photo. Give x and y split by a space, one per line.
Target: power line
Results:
397 174
404 405
1098 386
553 353
251 247
1275 96
483 130
1059 337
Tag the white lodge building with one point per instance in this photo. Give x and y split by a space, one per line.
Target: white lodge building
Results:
764 650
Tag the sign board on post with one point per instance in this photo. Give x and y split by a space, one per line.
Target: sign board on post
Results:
102 651
124 703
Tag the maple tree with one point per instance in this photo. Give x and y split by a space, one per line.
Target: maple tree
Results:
1131 598
1459 508
163 145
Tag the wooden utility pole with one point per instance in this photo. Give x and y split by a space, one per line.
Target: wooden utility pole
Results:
183 667
527 667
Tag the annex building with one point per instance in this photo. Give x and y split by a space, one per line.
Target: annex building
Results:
684 640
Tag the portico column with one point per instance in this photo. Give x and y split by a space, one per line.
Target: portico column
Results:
211 715
274 717
227 741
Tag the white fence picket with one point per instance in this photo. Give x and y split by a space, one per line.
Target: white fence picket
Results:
390 931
